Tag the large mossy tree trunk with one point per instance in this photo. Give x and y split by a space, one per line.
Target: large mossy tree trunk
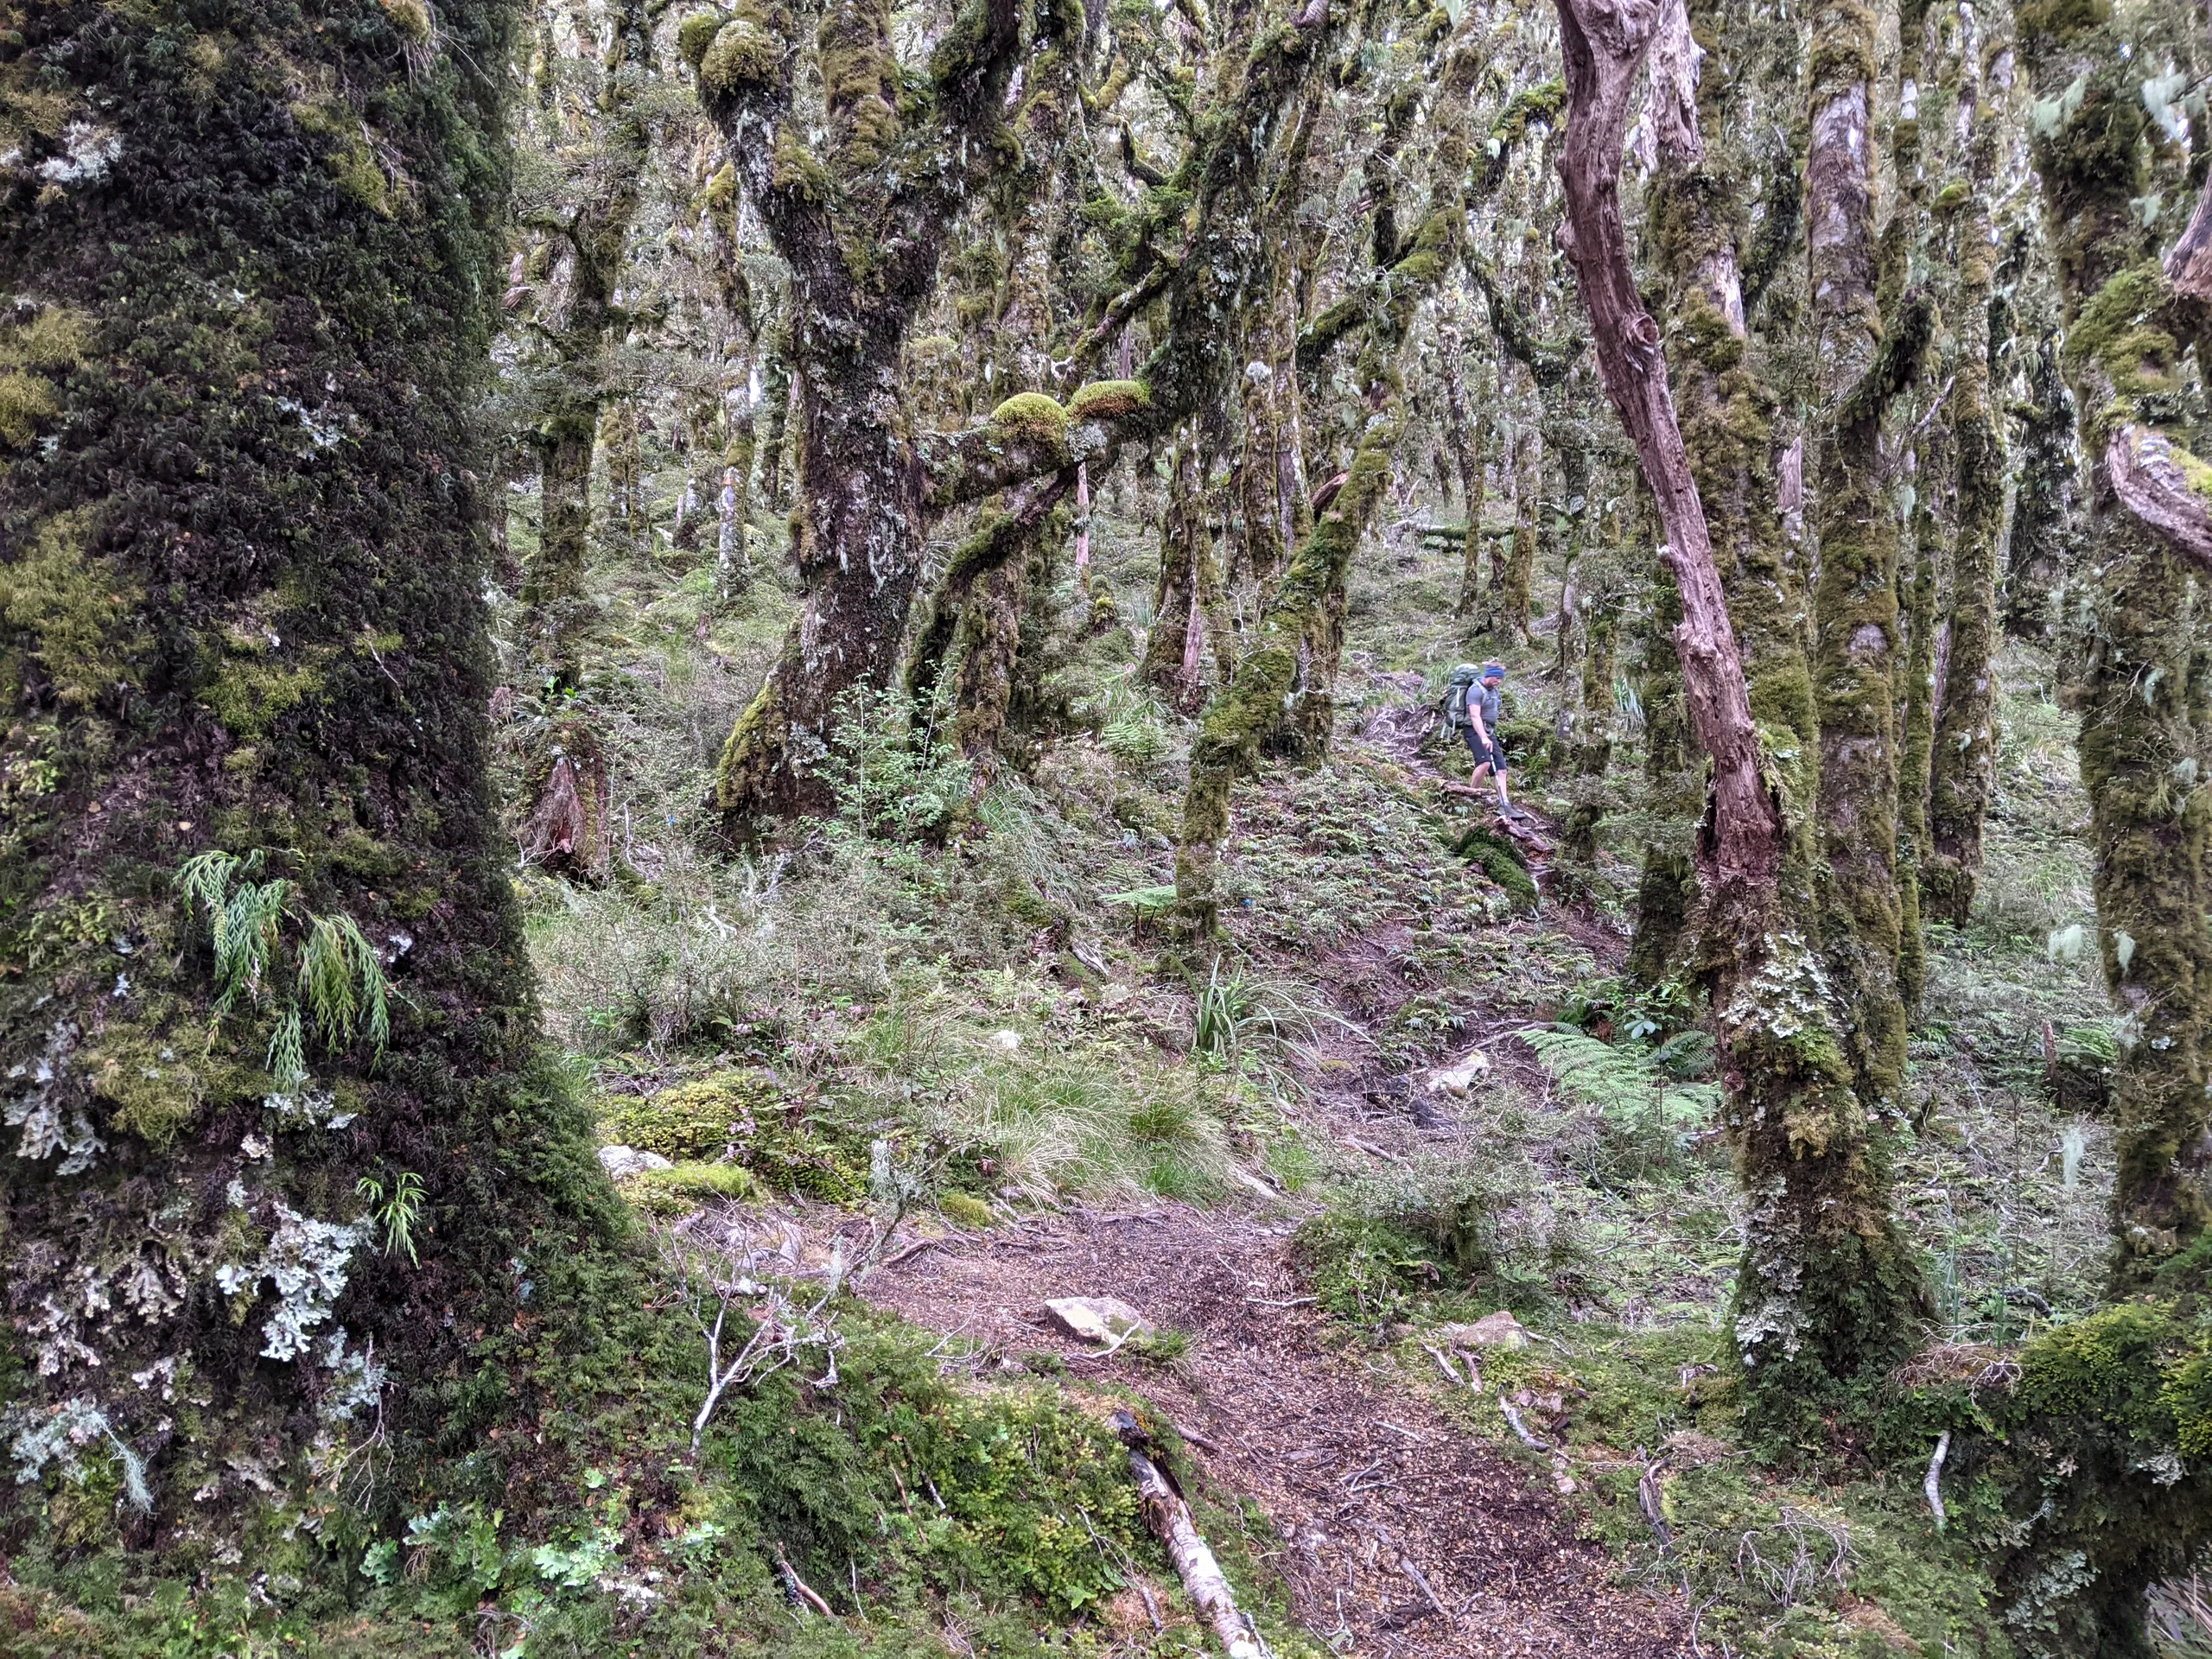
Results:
241 574
1828 1290
2127 317
861 214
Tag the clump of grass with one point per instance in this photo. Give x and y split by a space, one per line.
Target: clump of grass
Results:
1437 1234
1023 1110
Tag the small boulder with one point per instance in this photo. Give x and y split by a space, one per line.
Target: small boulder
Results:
1460 1079
1095 1319
1498 1330
622 1162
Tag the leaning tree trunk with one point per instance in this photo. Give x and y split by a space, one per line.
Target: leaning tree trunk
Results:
245 643
1963 760
1828 1288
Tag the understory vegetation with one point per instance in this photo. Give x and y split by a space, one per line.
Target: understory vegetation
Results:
679 671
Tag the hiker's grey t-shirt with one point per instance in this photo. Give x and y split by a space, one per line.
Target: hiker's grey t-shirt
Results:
1483 699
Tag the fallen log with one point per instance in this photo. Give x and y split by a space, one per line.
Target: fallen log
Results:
1169 1516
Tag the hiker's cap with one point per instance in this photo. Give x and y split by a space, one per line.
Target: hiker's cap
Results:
1493 670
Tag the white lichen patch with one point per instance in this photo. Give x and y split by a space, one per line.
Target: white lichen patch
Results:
305 1260
88 150
35 1106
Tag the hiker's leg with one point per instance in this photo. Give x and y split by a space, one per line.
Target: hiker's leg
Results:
1503 799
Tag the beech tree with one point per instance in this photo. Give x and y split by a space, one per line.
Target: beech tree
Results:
283 1146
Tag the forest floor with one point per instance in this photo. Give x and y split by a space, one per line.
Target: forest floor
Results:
969 995
1400 1533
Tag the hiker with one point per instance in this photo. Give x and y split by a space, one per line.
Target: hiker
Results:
1470 707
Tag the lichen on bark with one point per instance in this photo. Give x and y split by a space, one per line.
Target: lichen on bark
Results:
275 654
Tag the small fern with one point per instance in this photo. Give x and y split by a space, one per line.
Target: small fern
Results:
338 981
1622 1083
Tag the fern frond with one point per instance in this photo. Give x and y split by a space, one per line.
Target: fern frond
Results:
287 1060
1618 1083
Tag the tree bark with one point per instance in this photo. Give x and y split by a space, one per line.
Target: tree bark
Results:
1855 606
1963 759
252 623
594 239
1828 1288
2127 314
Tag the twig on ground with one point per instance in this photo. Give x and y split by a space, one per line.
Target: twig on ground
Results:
799 1586
1414 1573
1932 1486
1451 1371
1520 1429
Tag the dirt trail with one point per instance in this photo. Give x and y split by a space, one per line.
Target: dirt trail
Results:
1371 1491
1361 1477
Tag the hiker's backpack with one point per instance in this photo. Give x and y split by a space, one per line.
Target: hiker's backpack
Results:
1454 706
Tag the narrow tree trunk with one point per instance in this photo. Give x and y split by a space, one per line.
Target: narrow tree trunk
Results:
227 637
1828 1290
1169 655
2045 512
554 595
1855 606
1917 729
1963 761
1511 587
1468 437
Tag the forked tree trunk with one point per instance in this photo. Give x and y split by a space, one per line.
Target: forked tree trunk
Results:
1828 1288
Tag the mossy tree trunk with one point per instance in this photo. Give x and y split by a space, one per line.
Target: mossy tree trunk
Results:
582 318
253 625
2045 512
1863 360
1282 689
1916 724
1828 1289
2128 316
1467 434
860 215
1962 771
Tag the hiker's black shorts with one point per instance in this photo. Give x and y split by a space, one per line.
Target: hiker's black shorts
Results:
1486 754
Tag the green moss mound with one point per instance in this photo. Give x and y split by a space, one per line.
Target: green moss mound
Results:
1032 416
1106 400
744 1117
1499 858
